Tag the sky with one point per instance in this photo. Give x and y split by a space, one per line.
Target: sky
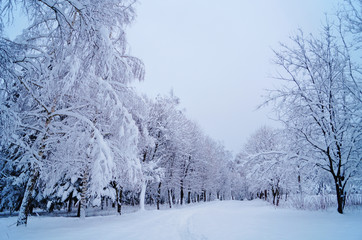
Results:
216 56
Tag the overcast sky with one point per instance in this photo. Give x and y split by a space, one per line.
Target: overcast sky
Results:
216 56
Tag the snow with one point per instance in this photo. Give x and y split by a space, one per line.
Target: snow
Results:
212 220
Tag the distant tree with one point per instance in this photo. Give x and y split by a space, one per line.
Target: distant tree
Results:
266 165
158 155
180 163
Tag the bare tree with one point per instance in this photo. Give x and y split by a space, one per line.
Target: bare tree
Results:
316 103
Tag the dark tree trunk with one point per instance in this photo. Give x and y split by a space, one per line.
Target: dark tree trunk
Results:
31 208
189 197
70 202
25 204
169 198
158 196
83 194
340 197
274 195
340 182
119 192
266 194
182 191
79 206
204 195
119 200
273 199
102 202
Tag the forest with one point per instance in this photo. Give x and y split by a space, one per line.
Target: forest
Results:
76 136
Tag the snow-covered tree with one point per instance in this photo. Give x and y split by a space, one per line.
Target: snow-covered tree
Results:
159 160
265 165
350 16
20 141
318 103
76 69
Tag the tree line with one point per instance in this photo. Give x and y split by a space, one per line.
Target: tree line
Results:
75 132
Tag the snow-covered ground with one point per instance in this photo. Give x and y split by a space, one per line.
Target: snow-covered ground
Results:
214 220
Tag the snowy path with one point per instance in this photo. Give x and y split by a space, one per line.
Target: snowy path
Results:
214 220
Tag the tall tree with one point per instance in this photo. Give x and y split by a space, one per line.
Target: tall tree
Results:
76 70
317 104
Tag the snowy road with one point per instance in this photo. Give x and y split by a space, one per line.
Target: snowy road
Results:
214 220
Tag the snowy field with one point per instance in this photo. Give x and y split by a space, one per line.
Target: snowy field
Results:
213 220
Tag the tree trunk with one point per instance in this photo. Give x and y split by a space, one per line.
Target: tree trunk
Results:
182 191
188 197
340 198
70 202
170 198
274 195
31 208
119 200
102 202
132 200
143 195
204 195
79 206
83 194
158 196
25 204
